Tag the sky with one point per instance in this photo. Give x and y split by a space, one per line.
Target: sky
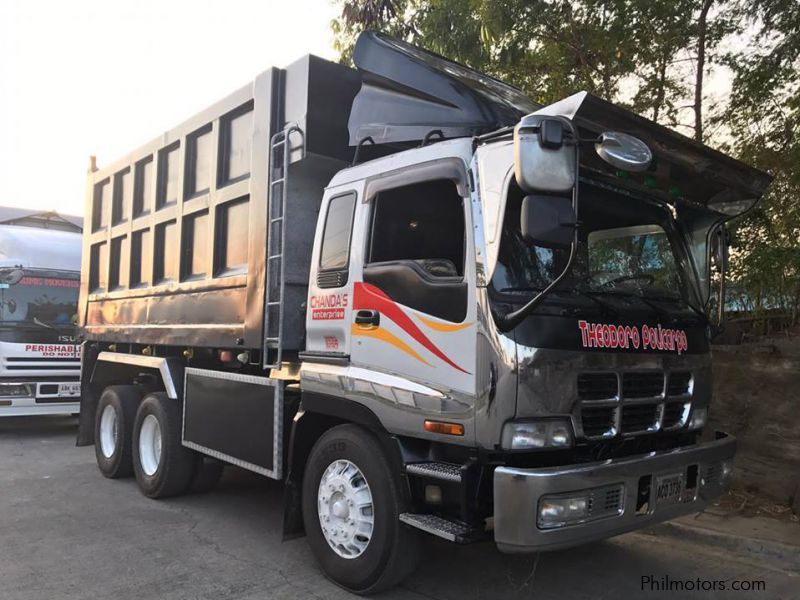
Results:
90 77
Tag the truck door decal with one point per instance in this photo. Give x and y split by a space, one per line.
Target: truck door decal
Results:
383 335
368 296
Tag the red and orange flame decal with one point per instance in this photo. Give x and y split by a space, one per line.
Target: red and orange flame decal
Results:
369 297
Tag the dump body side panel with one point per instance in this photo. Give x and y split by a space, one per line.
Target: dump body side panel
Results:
175 243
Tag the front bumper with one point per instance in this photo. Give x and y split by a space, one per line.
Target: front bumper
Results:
517 493
46 398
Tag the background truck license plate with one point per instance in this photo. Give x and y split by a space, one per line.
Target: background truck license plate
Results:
69 389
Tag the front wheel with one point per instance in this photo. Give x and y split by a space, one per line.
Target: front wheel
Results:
351 507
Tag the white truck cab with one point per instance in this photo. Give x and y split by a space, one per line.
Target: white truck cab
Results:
39 281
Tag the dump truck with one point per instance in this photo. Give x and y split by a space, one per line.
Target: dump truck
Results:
39 279
427 304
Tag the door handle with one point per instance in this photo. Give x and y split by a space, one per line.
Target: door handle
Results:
368 318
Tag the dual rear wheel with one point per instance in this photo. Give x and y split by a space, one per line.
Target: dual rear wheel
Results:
351 492
142 437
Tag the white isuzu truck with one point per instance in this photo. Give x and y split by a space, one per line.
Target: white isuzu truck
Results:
40 258
427 304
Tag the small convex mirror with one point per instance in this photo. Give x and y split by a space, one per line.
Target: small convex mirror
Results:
623 151
544 154
11 276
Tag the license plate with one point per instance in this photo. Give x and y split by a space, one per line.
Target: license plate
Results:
69 389
669 489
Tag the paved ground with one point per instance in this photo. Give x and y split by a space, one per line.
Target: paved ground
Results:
66 532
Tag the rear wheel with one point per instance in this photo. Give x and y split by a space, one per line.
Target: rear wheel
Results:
351 507
113 430
163 466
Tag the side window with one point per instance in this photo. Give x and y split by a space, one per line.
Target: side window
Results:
335 253
422 223
417 248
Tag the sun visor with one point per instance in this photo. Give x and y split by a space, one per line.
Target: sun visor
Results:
407 92
703 175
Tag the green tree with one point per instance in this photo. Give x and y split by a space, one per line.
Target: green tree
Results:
764 118
553 48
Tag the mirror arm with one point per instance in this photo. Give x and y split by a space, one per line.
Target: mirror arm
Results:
508 321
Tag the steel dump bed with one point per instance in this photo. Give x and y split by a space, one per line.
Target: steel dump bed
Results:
176 243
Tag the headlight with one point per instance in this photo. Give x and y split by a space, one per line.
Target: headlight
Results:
530 435
15 389
699 418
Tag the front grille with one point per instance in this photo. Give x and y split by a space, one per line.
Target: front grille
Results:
632 402
42 364
642 385
678 384
598 421
597 386
44 368
675 414
639 417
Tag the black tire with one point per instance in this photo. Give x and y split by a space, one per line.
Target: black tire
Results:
175 468
207 473
123 400
391 553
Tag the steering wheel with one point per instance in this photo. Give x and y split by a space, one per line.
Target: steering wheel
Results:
647 277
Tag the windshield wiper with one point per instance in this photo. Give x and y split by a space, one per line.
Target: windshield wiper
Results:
42 323
606 308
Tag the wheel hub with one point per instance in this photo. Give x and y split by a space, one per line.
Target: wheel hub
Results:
344 502
150 445
108 431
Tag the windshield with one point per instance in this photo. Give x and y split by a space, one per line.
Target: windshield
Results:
628 246
42 301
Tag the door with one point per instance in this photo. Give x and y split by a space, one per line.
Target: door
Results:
330 289
413 305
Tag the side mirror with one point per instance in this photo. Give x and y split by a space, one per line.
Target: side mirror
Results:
12 306
544 161
547 221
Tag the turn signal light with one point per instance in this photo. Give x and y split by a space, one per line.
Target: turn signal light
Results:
443 427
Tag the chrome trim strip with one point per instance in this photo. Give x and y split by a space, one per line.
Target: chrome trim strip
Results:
151 362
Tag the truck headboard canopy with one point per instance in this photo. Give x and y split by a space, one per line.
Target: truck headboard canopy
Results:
682 166
407 92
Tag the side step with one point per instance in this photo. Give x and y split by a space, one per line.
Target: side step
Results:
436 470
453 531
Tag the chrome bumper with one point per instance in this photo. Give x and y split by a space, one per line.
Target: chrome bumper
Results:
517 493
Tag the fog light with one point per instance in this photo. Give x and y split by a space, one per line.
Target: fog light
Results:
558 511
726 471
530 435
19 390
699 418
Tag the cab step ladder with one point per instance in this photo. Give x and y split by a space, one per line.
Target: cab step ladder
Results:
447 529
280 147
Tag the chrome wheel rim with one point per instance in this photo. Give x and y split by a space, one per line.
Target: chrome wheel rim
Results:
344 504
108 431
150 445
